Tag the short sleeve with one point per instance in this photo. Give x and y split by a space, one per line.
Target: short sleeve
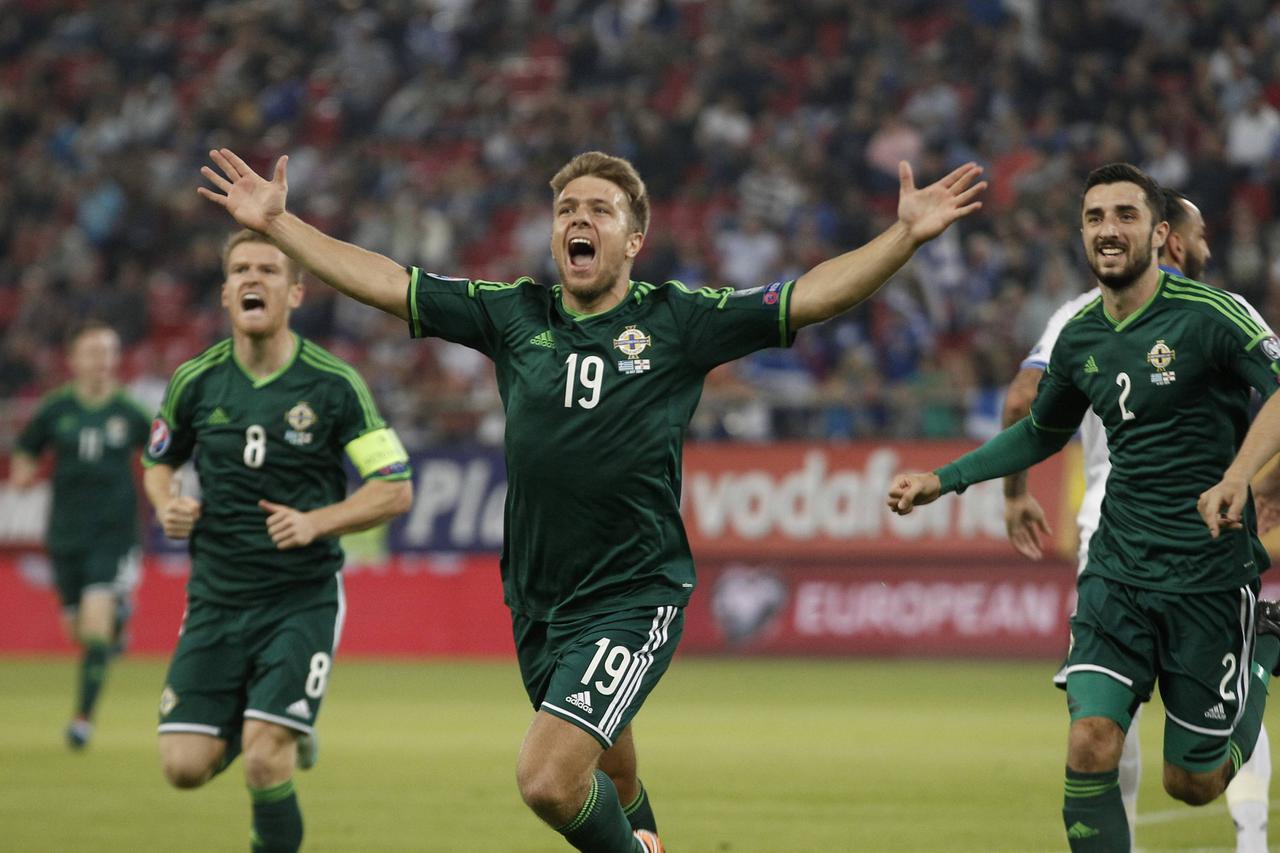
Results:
372 446
171 438
456 309
721 325
35 436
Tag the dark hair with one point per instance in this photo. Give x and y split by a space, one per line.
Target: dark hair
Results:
617 171
1175 212
1117 173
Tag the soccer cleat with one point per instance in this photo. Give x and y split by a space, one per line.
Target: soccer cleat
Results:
649 842
79 731
308 751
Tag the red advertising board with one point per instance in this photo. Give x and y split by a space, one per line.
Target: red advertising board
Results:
999 610
404 607
809 501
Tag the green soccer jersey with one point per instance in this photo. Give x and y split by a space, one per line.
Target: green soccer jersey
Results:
596 412
95 502
1171 385
280 438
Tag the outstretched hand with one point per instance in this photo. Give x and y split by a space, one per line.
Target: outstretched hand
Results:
926 212
250 198
908 491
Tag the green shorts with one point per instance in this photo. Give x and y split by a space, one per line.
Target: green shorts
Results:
115 569
266 662
1196 646
595 672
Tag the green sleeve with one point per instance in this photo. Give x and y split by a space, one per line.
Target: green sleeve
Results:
36 434
1016 449
722 325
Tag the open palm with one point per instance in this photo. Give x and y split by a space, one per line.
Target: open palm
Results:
927 211
250 198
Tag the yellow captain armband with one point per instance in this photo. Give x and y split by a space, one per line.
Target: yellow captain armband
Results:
379 453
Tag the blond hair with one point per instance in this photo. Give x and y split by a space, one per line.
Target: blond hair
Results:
616 171
293 269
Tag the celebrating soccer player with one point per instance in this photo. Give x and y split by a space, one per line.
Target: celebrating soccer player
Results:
94 429
268 416
599 376
1167 363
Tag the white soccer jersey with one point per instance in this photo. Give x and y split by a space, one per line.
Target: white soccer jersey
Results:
1093 438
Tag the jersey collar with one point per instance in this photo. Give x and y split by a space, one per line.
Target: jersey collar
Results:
1120 326
267 380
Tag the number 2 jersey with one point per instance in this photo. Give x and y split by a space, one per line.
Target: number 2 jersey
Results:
95 502
597 408
1171 385
280 438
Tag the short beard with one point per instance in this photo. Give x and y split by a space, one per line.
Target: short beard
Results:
1127 276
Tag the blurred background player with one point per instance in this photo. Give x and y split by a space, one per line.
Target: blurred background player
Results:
93 429
1185 252
268 416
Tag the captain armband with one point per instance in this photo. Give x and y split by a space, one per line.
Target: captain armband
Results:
379 453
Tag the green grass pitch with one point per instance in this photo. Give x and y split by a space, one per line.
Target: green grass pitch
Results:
776 756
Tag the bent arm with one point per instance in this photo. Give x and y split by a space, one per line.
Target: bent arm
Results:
1015 449
157 482
23 468
1017 405
1260 444
368 506
367 276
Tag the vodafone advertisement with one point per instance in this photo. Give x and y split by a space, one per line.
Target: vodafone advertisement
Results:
797 554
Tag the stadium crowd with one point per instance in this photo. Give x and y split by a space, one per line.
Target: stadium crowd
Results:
427 130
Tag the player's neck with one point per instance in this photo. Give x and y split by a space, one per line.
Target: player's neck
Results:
596 303
94 393
263 356
1124 301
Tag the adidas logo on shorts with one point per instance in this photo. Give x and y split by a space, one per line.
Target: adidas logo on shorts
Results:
582 700
1217 712
299 709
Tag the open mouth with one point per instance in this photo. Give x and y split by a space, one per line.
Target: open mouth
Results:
252 302
581 253
1110 250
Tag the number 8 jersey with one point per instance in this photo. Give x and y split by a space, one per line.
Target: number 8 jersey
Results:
1171 385
279 438
596 412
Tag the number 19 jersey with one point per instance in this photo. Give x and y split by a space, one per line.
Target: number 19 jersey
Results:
596 412
1171 384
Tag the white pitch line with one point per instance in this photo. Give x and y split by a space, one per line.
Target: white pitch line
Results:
1189 813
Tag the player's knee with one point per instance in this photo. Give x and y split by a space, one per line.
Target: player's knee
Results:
182 771
268 762
1194 789
1095 745
545 793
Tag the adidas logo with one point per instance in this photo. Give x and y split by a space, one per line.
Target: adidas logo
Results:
582 700
1079 830
1217 712
299 709
543 340
1090 366
218 417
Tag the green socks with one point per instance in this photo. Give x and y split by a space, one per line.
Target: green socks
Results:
277 820
93 672
600 826
1093 813
639 813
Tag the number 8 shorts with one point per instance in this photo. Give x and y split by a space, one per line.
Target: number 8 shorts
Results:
596 671
269 661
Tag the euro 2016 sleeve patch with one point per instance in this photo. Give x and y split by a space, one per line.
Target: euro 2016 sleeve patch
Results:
160 438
